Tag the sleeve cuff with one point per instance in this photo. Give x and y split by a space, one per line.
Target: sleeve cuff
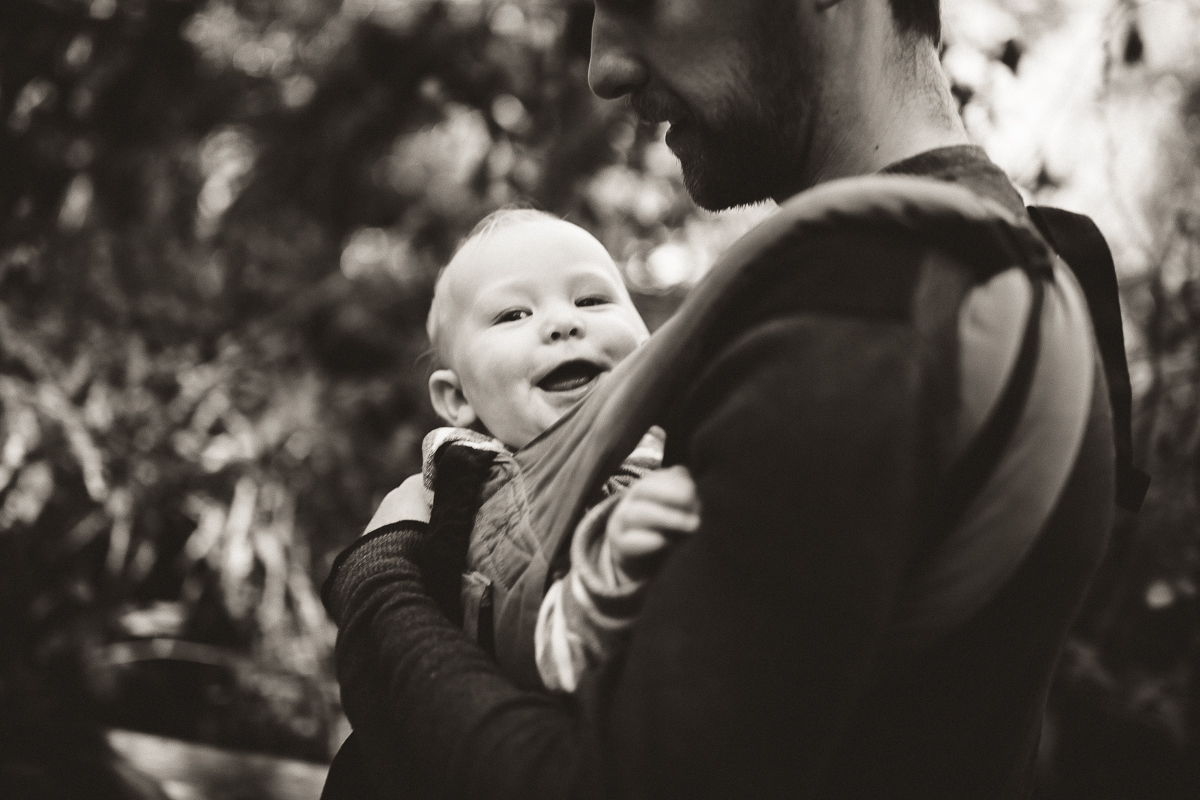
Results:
349 562
611 592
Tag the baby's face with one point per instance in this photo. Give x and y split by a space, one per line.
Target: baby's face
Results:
537 312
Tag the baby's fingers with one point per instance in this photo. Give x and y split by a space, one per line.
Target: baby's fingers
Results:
671 487
648 514
637 543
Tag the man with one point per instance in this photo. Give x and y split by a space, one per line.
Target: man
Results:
891 404
766 99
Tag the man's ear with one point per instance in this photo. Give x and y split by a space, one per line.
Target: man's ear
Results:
445 392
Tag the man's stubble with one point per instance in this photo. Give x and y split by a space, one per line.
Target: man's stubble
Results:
755 146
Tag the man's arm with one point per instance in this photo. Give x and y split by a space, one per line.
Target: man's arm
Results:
757 638
412 680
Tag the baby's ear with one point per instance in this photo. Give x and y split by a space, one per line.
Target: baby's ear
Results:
445 392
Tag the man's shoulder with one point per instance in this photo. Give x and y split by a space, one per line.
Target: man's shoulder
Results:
953 275
778 268
873 247
923 213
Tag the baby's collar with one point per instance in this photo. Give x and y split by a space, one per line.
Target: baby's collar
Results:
465 436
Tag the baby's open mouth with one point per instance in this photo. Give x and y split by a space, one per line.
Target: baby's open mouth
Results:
570 375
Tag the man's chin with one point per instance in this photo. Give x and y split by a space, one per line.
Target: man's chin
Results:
716 183
713 191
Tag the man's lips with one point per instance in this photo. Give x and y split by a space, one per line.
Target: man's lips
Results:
676 130
569 376
659 108
654 109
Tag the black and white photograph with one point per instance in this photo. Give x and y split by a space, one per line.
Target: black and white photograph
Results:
599 399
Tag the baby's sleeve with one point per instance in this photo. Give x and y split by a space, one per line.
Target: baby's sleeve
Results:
587 614
560 656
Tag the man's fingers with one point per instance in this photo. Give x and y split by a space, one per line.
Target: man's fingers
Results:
410 500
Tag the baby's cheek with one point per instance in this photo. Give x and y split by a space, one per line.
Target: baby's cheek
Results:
547 415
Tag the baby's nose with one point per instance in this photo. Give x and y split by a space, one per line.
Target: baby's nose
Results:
564 326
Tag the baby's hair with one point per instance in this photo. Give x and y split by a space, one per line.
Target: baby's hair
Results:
499 219
504 217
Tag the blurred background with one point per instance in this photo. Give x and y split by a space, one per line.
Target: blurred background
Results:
220 221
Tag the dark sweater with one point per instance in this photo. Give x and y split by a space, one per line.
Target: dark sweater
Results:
762 665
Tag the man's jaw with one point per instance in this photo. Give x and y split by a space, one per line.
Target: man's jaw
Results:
706 174
655 107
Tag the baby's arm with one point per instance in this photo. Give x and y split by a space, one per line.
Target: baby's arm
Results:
616 551
408 501
653 513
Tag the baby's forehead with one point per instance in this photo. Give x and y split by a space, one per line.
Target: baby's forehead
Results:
525 250
529 249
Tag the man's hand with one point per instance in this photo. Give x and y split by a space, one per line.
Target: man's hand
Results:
410 500
659 508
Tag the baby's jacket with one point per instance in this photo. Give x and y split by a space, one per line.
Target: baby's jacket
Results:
584 614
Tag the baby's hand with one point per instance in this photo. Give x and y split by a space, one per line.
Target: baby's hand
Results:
655 510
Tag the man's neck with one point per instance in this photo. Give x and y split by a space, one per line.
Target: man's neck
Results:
872 154
878 122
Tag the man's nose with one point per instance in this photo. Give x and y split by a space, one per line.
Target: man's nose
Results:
614 69
566 324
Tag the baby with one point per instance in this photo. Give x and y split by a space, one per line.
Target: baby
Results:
527 316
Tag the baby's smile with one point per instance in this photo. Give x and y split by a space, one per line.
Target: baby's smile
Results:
571 376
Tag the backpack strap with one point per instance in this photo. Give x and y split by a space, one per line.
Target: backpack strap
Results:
994 504
1081 245
978 462
458 482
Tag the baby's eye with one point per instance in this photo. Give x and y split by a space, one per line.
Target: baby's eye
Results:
512 315
584 302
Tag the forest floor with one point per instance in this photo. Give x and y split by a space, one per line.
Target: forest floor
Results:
189 771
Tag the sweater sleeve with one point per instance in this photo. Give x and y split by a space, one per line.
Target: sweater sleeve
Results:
432 713
757 636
